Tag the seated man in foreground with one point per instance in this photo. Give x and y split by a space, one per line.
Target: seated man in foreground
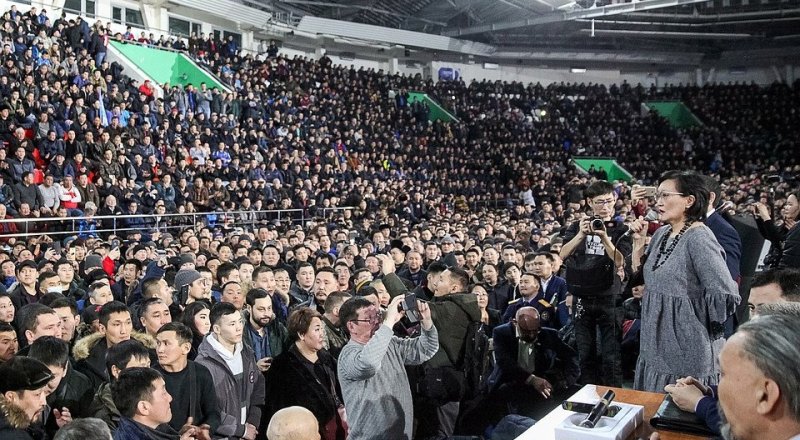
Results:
535 370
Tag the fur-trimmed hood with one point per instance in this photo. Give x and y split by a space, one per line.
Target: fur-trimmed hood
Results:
83 346
12 416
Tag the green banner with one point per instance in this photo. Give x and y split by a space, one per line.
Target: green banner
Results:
167 66
678 115
614 170
437 113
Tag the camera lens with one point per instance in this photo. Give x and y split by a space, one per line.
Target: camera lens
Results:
597 224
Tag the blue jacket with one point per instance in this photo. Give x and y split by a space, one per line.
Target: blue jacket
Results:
730 241
707 410
131 430
550 304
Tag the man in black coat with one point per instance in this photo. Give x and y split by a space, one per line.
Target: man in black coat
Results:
534 383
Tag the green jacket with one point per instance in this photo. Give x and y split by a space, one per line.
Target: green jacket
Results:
451 316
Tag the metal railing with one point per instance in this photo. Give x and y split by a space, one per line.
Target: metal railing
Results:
114 224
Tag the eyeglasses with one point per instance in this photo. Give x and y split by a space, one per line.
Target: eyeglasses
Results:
665 194
604 202
372 320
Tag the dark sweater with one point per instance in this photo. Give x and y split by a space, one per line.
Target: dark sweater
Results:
178 386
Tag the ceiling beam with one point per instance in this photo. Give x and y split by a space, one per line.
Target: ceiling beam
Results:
361 7
605 11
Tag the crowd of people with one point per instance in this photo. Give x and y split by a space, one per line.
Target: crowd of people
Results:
150 289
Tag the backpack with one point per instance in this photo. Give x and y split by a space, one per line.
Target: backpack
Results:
476 360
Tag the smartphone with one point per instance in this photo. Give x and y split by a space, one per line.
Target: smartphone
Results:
183 296
649 191
409 305
57 246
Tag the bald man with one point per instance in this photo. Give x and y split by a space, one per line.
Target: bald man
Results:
533 358
293 423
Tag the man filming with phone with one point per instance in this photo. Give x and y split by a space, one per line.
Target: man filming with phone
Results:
372 370
441 387
596 247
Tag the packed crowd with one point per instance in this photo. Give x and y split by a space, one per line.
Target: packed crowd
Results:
242 314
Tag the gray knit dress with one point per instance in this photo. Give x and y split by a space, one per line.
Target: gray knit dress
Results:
686 301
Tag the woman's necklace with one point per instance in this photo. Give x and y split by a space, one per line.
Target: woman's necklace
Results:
665 251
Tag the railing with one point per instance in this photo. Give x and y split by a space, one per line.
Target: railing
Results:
114 224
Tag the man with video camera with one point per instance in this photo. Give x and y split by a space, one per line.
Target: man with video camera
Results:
596 247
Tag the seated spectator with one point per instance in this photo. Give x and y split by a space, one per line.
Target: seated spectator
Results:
533 358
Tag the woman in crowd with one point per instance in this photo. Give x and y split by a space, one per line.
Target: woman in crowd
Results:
196 317
689 292
305 375
489 317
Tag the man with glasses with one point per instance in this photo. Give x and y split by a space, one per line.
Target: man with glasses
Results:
596 247
535 370
372 368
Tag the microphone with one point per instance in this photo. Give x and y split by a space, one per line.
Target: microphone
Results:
652 215
598 411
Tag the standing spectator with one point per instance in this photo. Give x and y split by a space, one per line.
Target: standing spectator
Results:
372 368
593 251
685 276
237 380
22 384
305 375
190 384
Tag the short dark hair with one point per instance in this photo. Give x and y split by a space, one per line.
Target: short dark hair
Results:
256 294
299 321
787 279
120 355
133 386
460 277
350 308
146 303
149 286
689 183
28 316
110 308
259 270
60 303
714 187
336 299
436 267
45 275
182 332
599 188
135 262
224 271
546 255
326 269
50 350
219 310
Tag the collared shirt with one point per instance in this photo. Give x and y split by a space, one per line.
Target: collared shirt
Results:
545 283
526 356
261 345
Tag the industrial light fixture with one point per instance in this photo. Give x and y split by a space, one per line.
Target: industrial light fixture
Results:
577 69
491 66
